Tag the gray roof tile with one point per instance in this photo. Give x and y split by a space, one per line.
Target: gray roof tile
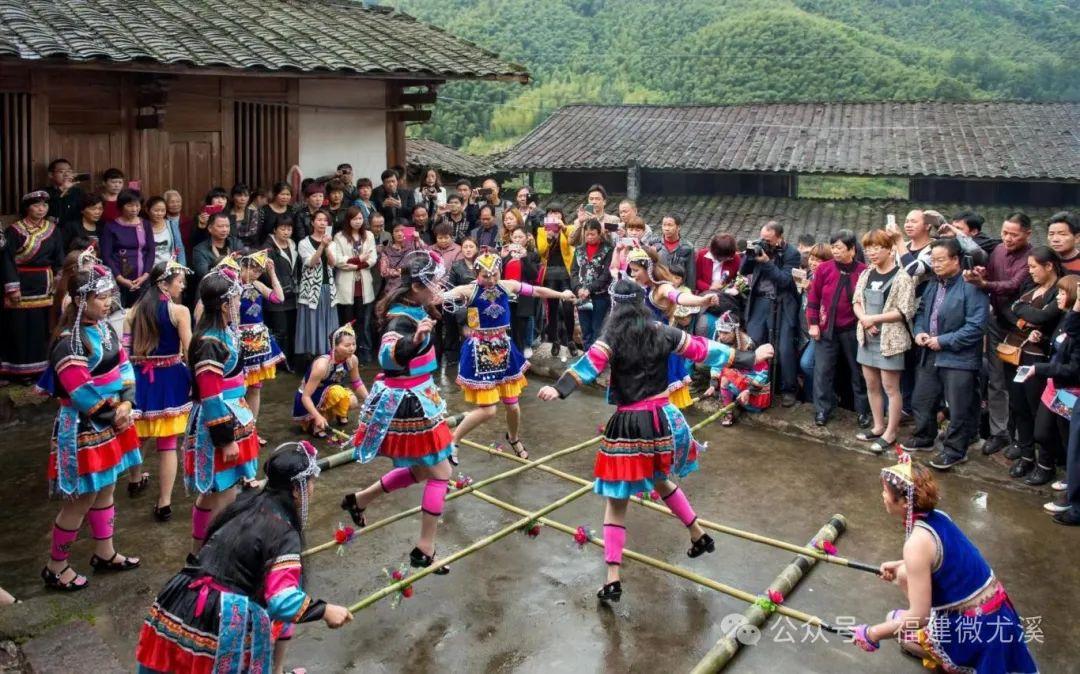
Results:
972 140
429 153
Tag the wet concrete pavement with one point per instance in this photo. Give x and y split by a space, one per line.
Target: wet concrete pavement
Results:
527 605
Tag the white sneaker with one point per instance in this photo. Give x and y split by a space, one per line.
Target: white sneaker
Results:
1060 485
528 352
1058 505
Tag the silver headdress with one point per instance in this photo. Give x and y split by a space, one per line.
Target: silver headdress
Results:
229 269
100 281
638 255
427 267
728 322
310 472
174 268
636 295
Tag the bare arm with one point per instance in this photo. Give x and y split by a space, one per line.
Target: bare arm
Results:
318 371
181 318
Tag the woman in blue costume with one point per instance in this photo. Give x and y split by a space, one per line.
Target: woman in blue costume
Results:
404 417
221 447
94 440
647 439
325 389
959 617
233 608
258 347
157 332
662 298
491 368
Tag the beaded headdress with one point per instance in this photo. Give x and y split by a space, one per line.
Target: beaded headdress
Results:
488 262
728 322
346 329
99 281
427 268
640 256
229 270
310 472
901 477
174 268
635 295
258 259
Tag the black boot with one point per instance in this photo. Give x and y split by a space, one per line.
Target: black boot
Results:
1021 467
1040 476
1014 452
701 546
610 593
417 559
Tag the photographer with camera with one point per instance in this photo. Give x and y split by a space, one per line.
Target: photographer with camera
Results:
596 198
772 305
488 195
431 194
1004 278
65 195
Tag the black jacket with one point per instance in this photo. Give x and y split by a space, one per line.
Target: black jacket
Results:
1064 365
392 213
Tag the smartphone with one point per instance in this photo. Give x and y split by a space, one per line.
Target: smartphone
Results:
628 241
611 226
409 233
1022 373
212 209
588 208
81 177
484 192
552 226
890 221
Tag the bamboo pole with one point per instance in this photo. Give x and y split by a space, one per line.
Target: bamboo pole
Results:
658 564
706 524
466 551
458 492
725 649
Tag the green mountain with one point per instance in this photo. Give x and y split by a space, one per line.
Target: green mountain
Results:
739 51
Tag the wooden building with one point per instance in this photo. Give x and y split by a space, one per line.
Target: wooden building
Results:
189 95
452 165
733 168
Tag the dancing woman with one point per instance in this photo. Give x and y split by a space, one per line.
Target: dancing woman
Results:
221 447
324 391
157 331
215 614
404 417
647 439
93 440
491 368
258 347
959 617
663 298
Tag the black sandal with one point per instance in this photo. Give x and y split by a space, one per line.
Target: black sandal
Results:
163 513
348 504
701 546
417 559
53 582
137 488
129 563
521 453
611 593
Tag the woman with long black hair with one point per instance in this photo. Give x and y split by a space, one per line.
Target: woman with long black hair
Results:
221 447
647 439
233 607
404 416
94 440
157 331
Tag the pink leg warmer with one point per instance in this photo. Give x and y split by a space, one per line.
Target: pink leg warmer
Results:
61 542
167 444
509 402
679 505
399 478
101 522
434 495
614 541
200 522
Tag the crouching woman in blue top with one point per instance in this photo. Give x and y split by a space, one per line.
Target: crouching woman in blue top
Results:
647 438
959 617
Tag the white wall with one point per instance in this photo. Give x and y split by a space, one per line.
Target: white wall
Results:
329 137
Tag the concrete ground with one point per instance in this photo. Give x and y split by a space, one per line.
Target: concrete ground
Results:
528 605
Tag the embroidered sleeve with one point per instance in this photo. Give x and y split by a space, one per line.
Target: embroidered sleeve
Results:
210 383
74 376
397 347
708 352
585 369
283 591
127 375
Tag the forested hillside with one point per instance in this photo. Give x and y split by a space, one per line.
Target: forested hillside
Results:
736 51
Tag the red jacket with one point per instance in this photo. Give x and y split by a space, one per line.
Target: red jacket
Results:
704 268
819 297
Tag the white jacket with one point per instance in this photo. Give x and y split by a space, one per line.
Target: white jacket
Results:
346 279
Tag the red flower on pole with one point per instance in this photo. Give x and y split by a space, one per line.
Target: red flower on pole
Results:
582 536
407 591
344 535
775 596
825 546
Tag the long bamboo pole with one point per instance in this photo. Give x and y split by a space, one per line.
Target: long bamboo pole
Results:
663 566
707 524
466 551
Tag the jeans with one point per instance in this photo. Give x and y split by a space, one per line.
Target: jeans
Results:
521 331
760 328
843 343
960 390
592 320
806 366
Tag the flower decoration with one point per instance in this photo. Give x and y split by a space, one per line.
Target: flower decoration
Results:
343 535
649 495
775 596
461 482
825 546
531 528
397 575
582 536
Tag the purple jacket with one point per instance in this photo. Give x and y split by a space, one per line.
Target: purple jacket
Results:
122 252
819 297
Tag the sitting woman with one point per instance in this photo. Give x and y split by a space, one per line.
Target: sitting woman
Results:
959 617
322 392
749 387
215 614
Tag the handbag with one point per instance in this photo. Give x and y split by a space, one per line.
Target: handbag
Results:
1008 353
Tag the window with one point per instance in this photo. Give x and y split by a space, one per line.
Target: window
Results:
15 157
261 142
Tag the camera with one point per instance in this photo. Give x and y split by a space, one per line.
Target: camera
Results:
759 247
967 263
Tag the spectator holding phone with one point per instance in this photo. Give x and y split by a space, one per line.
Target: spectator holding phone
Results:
390 199
488 234
344 175
557 259
970 224
488 194
522 263
431 194
215 201
525 203
454 218
1003 279
65 196
716 266
593 209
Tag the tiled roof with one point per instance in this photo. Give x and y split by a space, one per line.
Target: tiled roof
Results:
424 153
972 140
309 36
743 216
